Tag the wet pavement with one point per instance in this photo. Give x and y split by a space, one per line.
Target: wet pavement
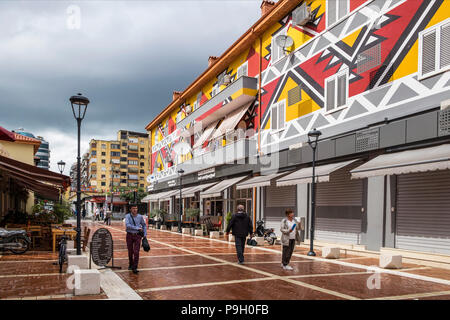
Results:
197 268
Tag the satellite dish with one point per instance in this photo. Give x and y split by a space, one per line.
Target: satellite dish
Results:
284 41
181 148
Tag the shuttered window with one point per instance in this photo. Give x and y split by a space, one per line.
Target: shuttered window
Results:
336 10
336 90
445 43
294 96
434 50
278 115
242 70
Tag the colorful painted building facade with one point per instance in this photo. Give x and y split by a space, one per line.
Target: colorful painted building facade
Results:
371 75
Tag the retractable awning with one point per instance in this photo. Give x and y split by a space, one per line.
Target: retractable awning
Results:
305 175
260 181
190 192
231 121
419 160
216 191
169 195
156 196
205 135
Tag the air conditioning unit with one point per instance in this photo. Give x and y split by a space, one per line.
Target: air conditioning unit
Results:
188 109
445 104
301 15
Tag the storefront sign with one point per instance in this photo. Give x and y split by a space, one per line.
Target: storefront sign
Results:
172 183
206 174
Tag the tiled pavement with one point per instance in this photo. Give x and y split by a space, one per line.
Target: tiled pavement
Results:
197 268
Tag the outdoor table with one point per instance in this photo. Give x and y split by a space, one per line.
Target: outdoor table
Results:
59 232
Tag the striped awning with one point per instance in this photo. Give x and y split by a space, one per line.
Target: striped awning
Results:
260 181
418 160
216 191
305 175
190 192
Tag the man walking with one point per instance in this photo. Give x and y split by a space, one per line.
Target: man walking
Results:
136 229
241 225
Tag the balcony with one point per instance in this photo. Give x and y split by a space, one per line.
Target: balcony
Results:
237 94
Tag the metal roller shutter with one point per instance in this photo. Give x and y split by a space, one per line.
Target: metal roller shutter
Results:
338 208
423 212
277 200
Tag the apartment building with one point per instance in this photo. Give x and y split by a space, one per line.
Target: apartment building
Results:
371 75
119 163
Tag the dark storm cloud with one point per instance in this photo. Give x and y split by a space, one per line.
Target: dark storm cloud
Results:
126 57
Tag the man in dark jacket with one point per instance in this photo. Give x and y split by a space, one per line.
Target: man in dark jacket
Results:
241 224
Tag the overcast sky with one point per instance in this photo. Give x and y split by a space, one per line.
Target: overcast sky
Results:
125 56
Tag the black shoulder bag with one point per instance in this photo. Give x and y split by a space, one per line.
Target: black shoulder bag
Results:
145 244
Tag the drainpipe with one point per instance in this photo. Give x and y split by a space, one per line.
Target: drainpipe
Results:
259 96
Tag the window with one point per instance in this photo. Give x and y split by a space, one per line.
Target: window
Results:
141 171
115 146
103 184
215 90
124 152
93 145
336 90
103 161
103 146
123 166
132 155
336 10
434 49
103 176
103 169
94 153
277 52
115 154
278 115
242 70
142 149
123 159
124 144
103 154
133 140
142 164
141 185
133 162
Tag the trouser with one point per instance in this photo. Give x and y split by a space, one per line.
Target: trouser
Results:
240 246
287 252
133 245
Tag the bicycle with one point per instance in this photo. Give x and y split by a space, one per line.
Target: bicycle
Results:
62 253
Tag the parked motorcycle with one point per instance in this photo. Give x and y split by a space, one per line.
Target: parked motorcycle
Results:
268 234
16 241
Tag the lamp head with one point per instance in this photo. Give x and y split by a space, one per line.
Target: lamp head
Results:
79 106
313 137
61 166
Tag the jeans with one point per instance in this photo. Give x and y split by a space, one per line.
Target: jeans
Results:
240 246
287 252
133 245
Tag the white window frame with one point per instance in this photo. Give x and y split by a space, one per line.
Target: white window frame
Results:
280 53
337 13
239 70
215 90
335 78
438 69
277 106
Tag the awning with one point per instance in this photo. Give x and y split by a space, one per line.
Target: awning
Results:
205 135
305 175
260 181
216 191
419 160
168 195
231 121
154 197
190 192
6 135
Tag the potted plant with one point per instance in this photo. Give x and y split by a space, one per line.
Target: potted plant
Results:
160 217
192 213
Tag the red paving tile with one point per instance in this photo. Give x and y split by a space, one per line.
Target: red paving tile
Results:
256 290
390 285
33 286
304 268
169 261
35 267
432 272
185 276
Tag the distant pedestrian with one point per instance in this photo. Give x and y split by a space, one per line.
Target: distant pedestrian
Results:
97 214
108 218
136 230
102 214
241 226
290 235
84 213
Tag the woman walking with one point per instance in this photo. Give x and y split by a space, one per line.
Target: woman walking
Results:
289 237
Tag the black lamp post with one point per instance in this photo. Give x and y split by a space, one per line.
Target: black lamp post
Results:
313 137
79 107
180 172
61 166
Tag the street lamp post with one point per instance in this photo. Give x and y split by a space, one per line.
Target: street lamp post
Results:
180 172
79 107
61 166
313 137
